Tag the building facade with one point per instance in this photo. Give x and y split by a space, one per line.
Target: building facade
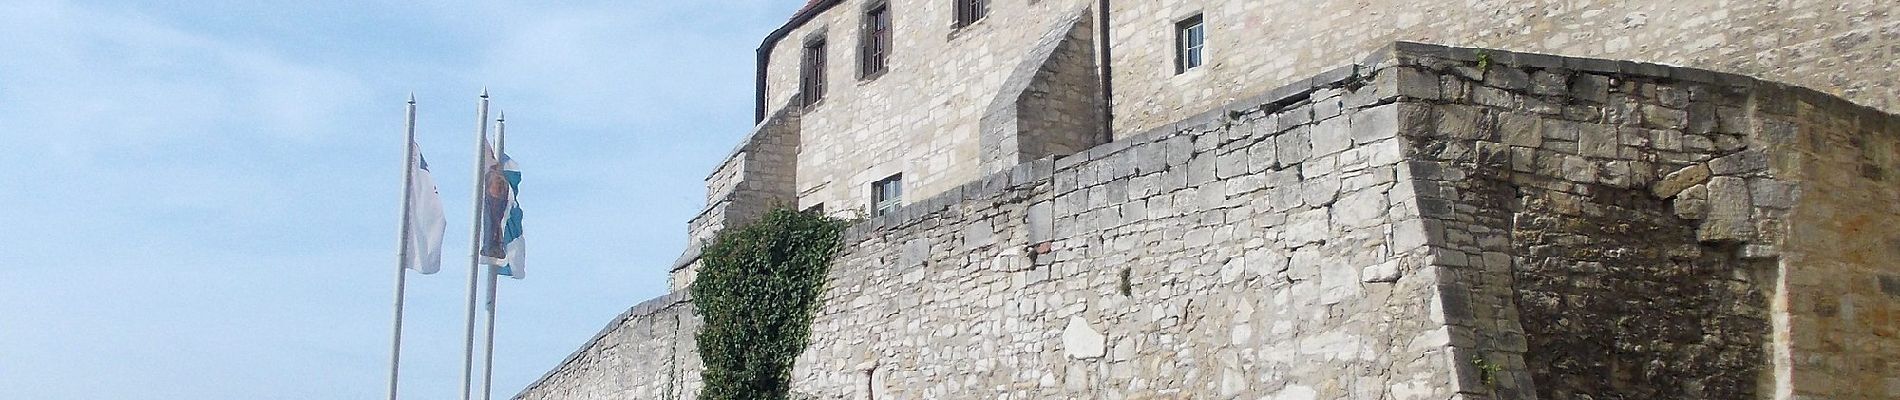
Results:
1270 199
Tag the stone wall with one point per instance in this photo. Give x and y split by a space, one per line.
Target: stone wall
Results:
1266 250
1427 223
1571 202
645 353
1624 230
1849 48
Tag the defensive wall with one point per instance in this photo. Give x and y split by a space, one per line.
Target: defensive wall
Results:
927 116
1425 223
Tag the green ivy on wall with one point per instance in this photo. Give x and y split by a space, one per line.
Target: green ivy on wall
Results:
757 289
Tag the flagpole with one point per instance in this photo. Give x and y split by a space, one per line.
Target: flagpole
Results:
475 243
488 352
402 243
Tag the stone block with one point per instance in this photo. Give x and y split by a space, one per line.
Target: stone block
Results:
1364 208
1231 164
1464 122
1040 219
1521 129
1082 342
1675 182
1414 83
1309 226
1375 124
1262 156
1320 190
1591 87
1659 117
1692 202
1507 78
1330 136
1744 162
1200 169
1386 272
1494 97
1292 146
1339 281
1578 169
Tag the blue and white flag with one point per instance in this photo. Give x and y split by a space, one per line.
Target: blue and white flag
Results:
426 224
503 246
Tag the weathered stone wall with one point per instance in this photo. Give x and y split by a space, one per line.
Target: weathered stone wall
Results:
1635 231
1850 48
921 117
1838 320
756 177
1430 222
1265 250
646 353
1571 199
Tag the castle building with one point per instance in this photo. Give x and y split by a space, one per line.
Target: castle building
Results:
1220 199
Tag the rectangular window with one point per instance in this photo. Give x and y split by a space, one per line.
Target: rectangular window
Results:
811 77
968 11
876 50
1191 40
887 194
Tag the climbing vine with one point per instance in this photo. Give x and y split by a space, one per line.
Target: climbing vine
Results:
756 291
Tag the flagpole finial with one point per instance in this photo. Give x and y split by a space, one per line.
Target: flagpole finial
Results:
484 91
501 115
412 97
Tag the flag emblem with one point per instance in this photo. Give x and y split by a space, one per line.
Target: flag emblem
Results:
502 244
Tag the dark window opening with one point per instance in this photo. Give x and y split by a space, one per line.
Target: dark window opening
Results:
876 50
1191 44
887 194
968 11
811 82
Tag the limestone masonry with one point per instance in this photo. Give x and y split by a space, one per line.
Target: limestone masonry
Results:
1318 212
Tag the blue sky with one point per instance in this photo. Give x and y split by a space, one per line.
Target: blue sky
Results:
202 194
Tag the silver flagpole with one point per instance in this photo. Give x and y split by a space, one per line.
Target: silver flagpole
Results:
488 352
402 243
475 243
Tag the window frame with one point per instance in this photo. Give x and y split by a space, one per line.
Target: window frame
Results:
968 12
887 195
813 66
1190 43
875 41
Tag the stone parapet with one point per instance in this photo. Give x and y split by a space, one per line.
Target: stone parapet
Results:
1429 223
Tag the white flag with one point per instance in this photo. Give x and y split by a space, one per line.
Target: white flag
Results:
426 223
